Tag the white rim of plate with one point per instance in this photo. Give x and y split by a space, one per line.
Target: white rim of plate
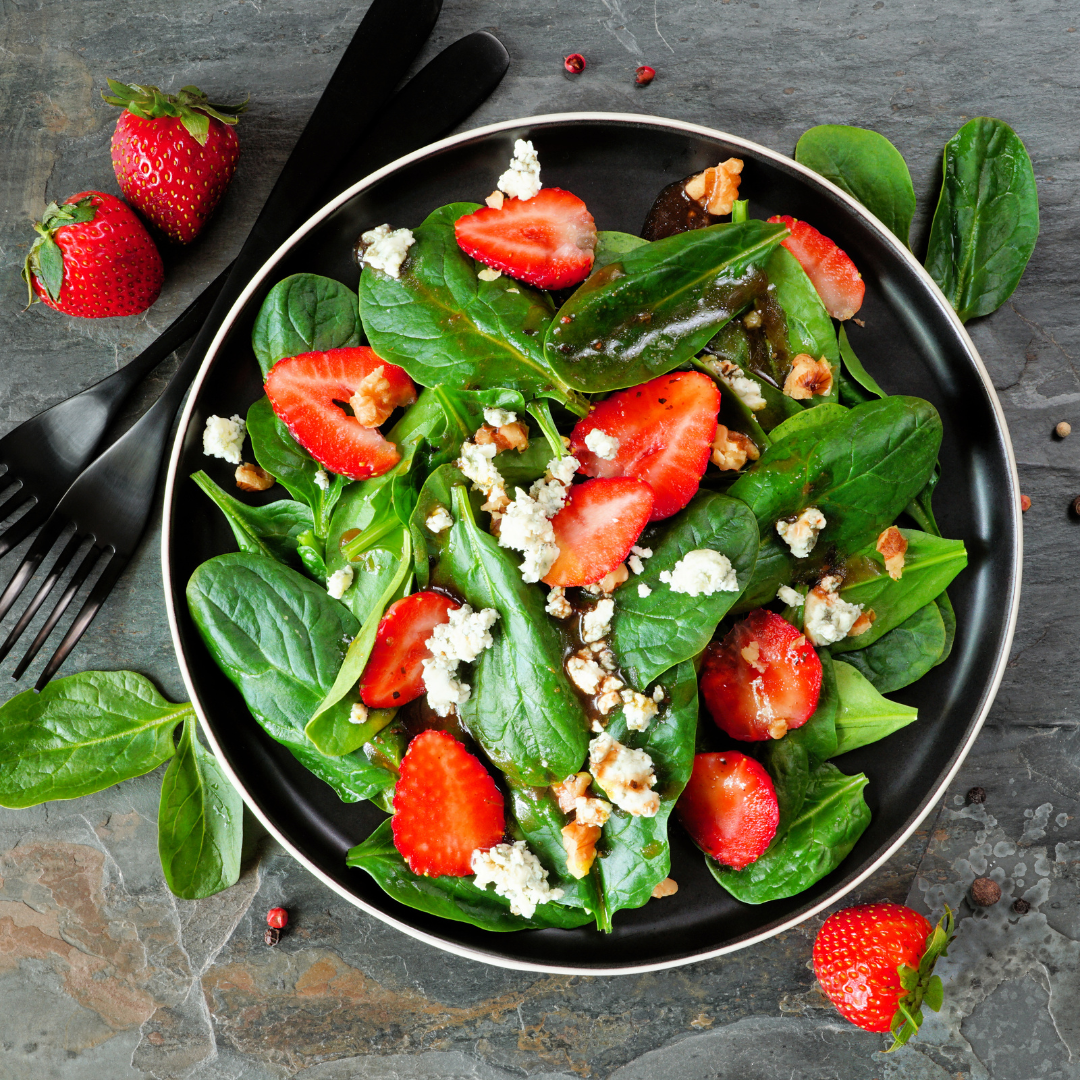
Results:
535 121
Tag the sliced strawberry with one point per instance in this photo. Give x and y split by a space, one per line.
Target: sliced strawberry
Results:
729 808
446 805
547 240
394 673
664 427
596 529
309 393
763 680
838 282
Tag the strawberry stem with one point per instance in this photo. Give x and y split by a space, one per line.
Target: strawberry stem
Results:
190 105
45 260
922 985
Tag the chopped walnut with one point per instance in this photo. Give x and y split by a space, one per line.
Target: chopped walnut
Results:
862 624
717 188
375 399
610 582
495 200
808 377
570 790
580 844
892 545
252 477
667 887
590 811
510 436
752 655
732 449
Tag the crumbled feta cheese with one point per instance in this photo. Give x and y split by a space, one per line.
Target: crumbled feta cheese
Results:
322 479
476 463
658 694
745 389
339 581
461 639
642 552
701 573
522 179
585 674
638 710
588 811
386 248
635 564
596 624
606 658
605 703
358 714
786 594
643 590
517 874
801 534
498 417
224 438
602 444
827 618
526 528
514 290
489 273
557 604
563 469
626 775
439 520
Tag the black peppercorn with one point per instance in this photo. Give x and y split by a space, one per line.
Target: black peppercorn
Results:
976 795
985 892
1021 906
272 935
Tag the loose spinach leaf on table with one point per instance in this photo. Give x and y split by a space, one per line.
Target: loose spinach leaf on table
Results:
905 654
653 633
853 366
658 305
280 640
865 165
865 716
445 326
523 711
304 313
456 898
612 246
987 217
81 734
273 529
200 821
808 845
859 471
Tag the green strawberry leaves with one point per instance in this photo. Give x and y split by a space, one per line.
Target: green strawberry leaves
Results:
193 108
922 985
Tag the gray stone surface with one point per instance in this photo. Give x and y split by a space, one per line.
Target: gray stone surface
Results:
104 975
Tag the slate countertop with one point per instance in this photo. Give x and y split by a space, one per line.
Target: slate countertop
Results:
105 976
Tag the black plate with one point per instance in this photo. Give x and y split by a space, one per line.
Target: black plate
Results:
912 343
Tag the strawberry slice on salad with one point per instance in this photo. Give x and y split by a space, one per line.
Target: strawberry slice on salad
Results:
596 529
547 241
763 680
664 430
394 673
446 805
729 808
310 391
838 282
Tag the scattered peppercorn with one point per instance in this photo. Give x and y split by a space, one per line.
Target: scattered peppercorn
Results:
1076 506
985 892
1063 430
644 75
272 936
1021 906
277 918
1025 504
976 795
574 63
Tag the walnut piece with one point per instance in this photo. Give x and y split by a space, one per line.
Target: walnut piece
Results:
717 188
862 623
808 377
514 436
252 477
609 582
495 200
580 844
374 399
570 790
892 545
667 887
732 449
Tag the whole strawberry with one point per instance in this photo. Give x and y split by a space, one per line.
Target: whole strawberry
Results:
93 258
174 154
875 963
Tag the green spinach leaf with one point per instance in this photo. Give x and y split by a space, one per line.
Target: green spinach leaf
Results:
865 165
81 734
304 313
612 246
865 716
948 617
987 218
853 366
200 821
819 417
658 305
903 655
653 633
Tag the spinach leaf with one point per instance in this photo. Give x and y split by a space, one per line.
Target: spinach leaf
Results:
948 617
853 366
818 417
524 710
612 246
280 640
658 305
304 313
808 845
200 822
437 492
778 406
454 898
865 165
81 734
864 715
930 564
275 529
653 633
987 218
859 471
636 854
444 325
905 654
775 566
